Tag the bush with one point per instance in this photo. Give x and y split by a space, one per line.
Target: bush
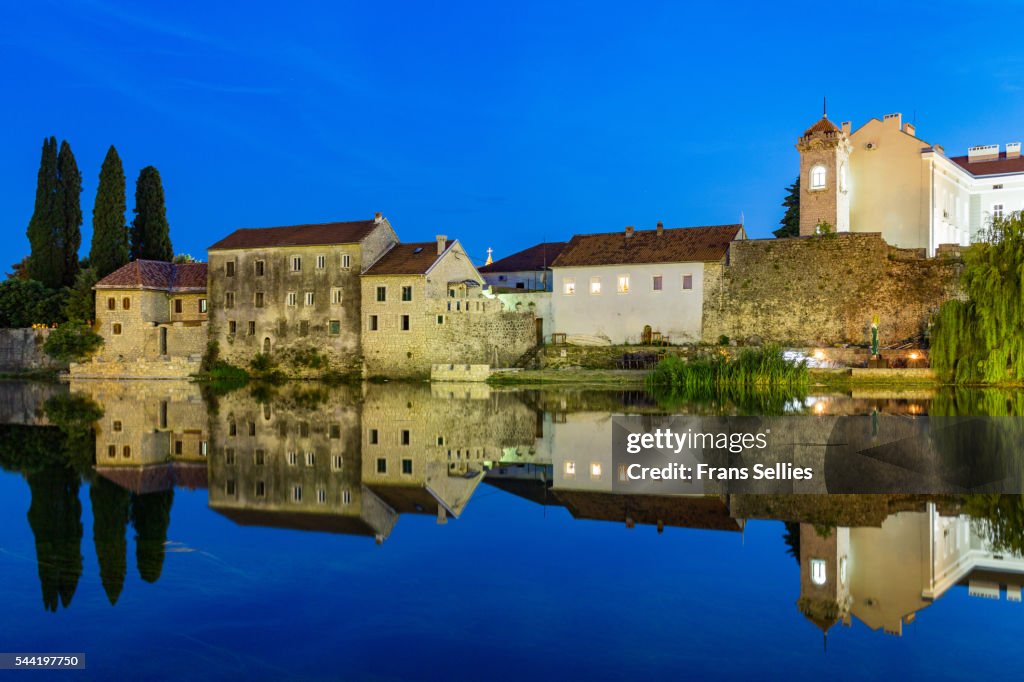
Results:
262 363
753 368
25 302
73 340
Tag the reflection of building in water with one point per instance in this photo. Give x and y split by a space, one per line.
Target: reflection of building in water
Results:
884 576
353 463
154 435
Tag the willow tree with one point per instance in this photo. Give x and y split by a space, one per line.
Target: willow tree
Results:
980 339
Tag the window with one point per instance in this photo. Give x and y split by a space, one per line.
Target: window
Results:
321 496
346 261
569 286
126 451
178 303
260 268
346 496
232 429
229 299
178 447
252 328
336 296
334 327
259 458
203 307
373 437
111 304
570 469
304 429
656 283
440 440
311 459
259 299
126 303
117 328
373 323
204 448
229 268
818 571
310 297
818 177
407 467
334 431
229 487
111 451
303 327
406 436
229 455
232 327
293 458
595 470
337 462
623 286
440 319
997 186
382 294
382 465
116 426
687 282
252 428
595 286
406 293
293 299
297 493
296 263
321 262
261 489
997 212
405 323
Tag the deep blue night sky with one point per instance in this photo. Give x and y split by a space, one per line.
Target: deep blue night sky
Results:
501 125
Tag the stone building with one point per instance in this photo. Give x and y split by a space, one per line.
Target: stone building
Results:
286 291
152 316
424 304
529 269
625 287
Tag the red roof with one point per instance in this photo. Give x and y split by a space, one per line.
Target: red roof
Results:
157 274
297 235
414 258
536 257
999 166
823 126
676 245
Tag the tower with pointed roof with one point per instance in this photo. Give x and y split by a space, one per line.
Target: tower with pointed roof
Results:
824 168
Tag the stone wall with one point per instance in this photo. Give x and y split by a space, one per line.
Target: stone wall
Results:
21 350
166 368
824 290
144 325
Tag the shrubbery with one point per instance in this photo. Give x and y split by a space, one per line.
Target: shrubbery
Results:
72 341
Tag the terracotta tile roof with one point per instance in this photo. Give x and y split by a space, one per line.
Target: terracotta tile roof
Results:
307 521
822 126
676 245
156 477
157 274
297 235
536 257
998 166
708 512
414 258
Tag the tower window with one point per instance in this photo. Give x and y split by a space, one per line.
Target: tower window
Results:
818 571
818 177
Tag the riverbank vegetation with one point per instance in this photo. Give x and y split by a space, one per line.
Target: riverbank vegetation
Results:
752 369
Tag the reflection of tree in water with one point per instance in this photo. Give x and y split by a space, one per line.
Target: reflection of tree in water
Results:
111 508
729 400
151 515
977 402
55 516
792 539
1001 520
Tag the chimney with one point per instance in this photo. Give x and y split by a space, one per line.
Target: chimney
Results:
442 240
661 228
377 217
909 129
984 152
1013 150
847 126
629 231
893 120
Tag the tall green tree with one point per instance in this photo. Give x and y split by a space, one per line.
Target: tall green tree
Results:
109 248
150 234
791 218
45 261
69 203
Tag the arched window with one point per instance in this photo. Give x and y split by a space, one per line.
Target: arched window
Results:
817 177
818 571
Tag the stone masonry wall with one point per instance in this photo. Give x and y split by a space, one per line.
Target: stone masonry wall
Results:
824 290
21 350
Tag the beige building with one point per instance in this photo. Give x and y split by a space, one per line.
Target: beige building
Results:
152 316
424 303
286 291
883 178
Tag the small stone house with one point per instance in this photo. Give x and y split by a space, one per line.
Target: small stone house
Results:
424 303
152 316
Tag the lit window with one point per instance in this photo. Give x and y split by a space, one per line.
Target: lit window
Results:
310 297
296 264
656 283
346 261
406 293
623 287
595 286
336 296
687 282
569 286
570 468
818 571
818 177
321 262
595 470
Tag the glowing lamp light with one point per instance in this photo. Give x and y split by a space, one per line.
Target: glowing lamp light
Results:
915 355
819 407
819 355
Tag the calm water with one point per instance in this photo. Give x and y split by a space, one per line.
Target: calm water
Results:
415 532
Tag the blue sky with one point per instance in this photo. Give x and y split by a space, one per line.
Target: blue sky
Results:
498 124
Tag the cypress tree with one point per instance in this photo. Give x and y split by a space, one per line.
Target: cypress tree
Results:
109 248
45 259
791 219
150 233
69 206
111 509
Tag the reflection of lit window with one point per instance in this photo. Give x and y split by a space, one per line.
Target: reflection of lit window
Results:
570 468
818 571
595 470
842 570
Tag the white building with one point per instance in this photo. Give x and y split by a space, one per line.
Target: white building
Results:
529 269
622 286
